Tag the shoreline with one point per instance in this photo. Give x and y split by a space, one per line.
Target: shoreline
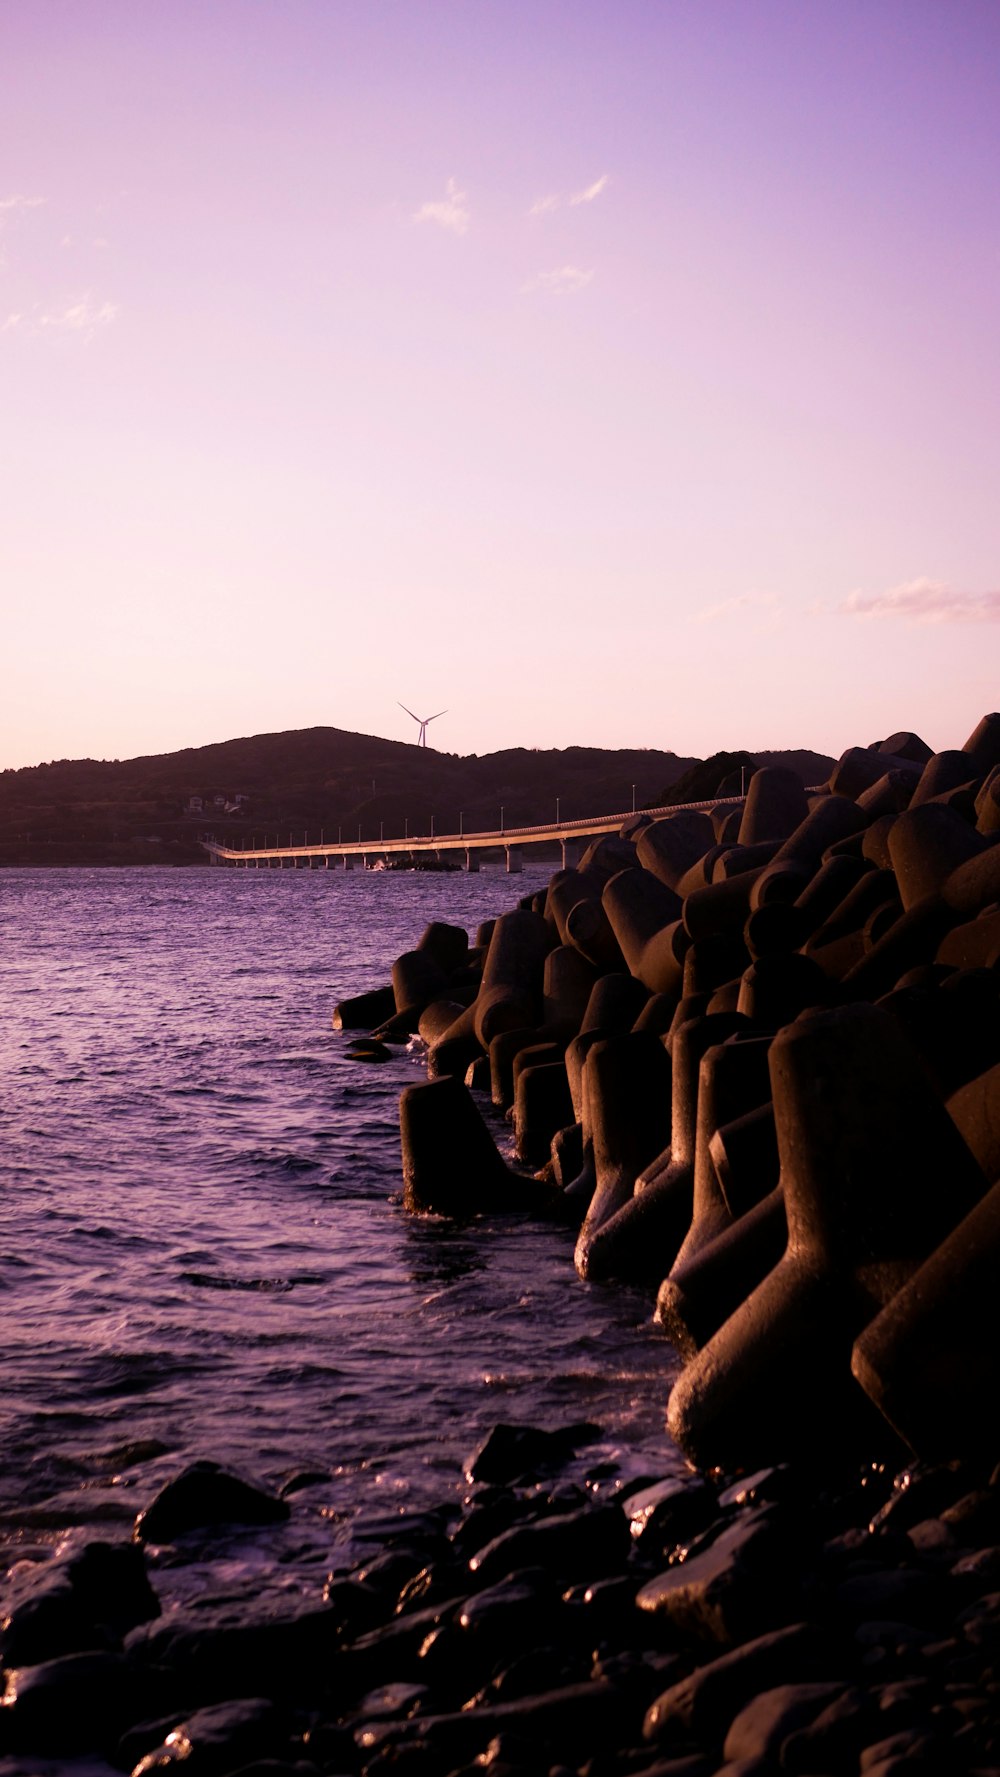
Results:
808 1598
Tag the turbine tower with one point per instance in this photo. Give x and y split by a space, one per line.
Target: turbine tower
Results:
422 723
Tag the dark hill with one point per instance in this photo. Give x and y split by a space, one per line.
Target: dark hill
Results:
308 781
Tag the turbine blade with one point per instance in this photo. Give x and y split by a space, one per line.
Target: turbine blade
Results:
440 713
402 706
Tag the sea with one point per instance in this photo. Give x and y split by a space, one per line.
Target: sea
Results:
203 1249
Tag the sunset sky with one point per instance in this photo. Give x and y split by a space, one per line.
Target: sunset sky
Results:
614 374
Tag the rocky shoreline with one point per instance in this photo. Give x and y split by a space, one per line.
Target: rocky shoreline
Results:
755 1061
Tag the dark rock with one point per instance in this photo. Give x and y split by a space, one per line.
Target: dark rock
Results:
278 1656
905 1595
589 1541
511 1451
73 1705
87 1600
833 1740
736 1587
761 1728
573 1722
705 1702
669 1512
223 1739
203 1496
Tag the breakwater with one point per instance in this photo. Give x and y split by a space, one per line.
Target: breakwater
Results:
831 1603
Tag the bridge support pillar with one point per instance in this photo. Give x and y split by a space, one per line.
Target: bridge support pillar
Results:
572 851
471 860
348 860
514 861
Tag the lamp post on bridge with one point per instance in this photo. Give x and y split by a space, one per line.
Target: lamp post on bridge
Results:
633 799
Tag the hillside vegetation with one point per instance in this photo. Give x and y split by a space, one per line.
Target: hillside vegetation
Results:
318 780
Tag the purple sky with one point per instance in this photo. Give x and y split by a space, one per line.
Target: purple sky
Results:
612 374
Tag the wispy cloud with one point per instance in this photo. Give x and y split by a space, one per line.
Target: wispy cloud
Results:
742 604
451 211
80 317
554 200
9 205
925 601
562 282
588 195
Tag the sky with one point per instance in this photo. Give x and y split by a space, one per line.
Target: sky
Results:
612 375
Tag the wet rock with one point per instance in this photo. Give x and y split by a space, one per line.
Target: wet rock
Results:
86 1600
667 1513
369 1049
76 1704
589 1541
277 1656
223 1739
517 1612
512 1451
737 1587
203 1496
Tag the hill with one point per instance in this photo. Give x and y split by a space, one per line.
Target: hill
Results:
154 809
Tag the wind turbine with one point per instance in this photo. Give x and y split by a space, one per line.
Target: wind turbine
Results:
423 721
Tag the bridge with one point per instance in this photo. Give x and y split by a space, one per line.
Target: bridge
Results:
570 836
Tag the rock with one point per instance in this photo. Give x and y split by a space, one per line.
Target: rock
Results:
224 1738
667 1513
905 1595
203 1496
734 1588
86 1600
511 1451
76 1704
574 1722
760 1729
590 1541
705 1703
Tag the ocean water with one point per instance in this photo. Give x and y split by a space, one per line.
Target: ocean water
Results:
202 1248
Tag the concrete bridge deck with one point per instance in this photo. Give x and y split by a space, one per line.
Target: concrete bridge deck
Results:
571 836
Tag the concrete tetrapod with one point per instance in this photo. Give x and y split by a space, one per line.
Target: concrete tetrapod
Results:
733 1078
628 1097
931 1360
450 1164
510 996
775 805
641 1236
874 1174
670 846
644 916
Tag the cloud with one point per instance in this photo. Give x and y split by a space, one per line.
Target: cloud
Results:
11 322
588 195
448 212
561 282
543 206
743 602
18 202
924 601
80 317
